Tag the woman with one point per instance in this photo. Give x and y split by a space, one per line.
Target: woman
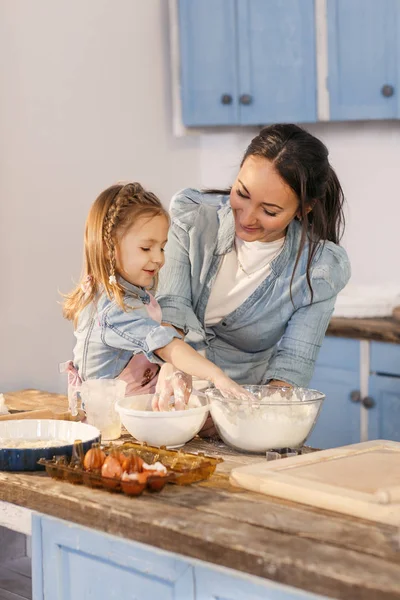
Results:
252 273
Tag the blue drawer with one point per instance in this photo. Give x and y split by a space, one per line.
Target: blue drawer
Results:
385 358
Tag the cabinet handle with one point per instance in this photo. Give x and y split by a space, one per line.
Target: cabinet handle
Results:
245 99
226 99
355 396
387 91
368 402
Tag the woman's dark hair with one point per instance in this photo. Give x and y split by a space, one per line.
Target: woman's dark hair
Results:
302 161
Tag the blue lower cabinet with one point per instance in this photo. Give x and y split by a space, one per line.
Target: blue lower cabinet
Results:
70 562
385 358
337 374
384 408
339 420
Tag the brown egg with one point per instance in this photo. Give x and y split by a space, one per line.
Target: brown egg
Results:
142 477
94 458
136 464
125 462
111 468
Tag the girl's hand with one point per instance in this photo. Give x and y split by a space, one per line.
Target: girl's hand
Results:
172 383
230 388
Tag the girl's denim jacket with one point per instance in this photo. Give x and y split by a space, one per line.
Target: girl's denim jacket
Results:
273 334
107 337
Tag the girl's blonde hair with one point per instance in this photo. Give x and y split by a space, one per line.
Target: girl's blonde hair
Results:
110 217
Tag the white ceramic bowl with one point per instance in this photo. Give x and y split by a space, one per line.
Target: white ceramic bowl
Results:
165 428
276 418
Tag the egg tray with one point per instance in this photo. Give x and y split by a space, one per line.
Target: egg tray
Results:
187 466
183 468
77 475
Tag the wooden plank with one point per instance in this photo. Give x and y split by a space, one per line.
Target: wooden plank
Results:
20 566
12 544
317 566
15 583
5 595
379 330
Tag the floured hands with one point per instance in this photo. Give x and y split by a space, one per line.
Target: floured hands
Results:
172 384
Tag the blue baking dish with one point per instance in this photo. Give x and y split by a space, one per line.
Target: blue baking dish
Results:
34 430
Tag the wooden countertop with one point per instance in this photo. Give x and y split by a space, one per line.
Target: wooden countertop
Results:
318 551
378 330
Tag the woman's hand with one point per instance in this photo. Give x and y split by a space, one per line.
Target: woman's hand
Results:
172 383
278 383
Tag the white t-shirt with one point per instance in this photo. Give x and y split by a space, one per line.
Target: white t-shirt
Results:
241 271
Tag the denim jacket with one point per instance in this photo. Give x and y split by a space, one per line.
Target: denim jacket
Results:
107 337
268 336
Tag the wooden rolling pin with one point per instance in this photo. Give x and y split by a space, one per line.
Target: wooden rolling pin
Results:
43 413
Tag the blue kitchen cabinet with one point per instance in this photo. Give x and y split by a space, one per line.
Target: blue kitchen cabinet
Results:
383 403
276 60
252 62
70 562
337 376
247 62
209 80
363 59
339 421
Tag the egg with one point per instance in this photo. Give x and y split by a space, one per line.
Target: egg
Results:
94 458
111 468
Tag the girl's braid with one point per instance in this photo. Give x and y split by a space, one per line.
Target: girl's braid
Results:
127 196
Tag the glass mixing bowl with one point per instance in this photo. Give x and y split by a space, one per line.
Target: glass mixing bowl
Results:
274 417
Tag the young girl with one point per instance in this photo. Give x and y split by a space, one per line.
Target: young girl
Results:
118 328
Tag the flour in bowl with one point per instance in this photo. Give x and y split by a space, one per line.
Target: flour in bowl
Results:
18 444
255 426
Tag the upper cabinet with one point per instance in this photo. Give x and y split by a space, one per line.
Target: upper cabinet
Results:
209 80
252 62
363 53
245 62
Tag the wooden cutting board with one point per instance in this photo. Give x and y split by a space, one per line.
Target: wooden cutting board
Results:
362 480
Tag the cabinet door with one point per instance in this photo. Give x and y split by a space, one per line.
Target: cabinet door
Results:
207 34
337 375
70 562
339 420
363 59
384 415
277 73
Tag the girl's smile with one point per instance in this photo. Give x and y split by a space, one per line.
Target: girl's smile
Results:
140 251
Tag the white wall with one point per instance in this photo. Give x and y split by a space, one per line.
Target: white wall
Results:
366 157
84 102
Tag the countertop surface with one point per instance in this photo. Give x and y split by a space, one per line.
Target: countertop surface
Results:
378 330
318 551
